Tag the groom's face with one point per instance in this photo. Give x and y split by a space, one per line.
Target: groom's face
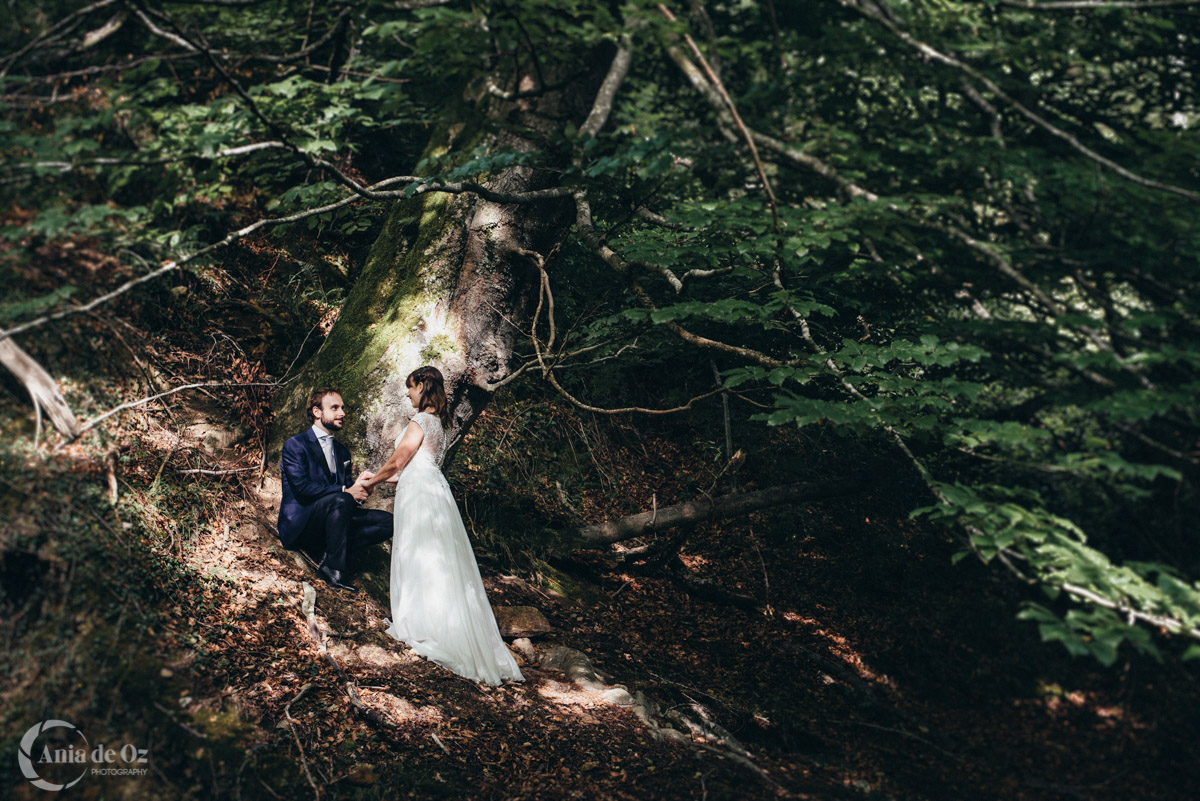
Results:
331 413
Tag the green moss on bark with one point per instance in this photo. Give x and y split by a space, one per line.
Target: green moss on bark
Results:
407 272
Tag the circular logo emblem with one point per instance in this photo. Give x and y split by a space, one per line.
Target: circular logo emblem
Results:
59 757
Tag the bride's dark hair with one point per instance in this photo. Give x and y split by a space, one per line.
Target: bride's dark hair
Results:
433 391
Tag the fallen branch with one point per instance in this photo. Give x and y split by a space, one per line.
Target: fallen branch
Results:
42 389
229 472
715 509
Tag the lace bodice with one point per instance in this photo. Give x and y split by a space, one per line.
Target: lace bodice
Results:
435 438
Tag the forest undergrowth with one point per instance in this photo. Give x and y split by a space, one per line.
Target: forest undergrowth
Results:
148 602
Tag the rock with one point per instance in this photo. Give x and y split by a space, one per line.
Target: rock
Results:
526 649
361 774
215 438
521 621
574 664
251 532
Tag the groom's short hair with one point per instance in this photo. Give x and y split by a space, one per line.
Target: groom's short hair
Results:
317 398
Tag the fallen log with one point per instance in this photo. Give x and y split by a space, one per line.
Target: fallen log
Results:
42 389
719 508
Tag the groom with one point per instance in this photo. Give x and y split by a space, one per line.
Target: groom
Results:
319 512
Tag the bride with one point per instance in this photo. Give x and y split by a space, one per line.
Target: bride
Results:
439 607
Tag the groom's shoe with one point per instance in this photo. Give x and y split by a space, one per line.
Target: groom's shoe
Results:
334 579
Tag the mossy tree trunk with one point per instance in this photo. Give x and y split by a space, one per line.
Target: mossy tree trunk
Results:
444 284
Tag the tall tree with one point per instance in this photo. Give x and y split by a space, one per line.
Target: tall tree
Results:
967 228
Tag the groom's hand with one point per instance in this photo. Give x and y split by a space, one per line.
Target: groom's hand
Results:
357 491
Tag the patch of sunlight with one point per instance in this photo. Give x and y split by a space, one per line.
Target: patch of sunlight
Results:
400 710
840 647
570 697
372 656
1059 702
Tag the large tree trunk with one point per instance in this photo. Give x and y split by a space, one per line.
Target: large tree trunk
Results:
444 283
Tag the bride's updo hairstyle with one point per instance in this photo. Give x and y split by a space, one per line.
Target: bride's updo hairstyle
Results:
433 391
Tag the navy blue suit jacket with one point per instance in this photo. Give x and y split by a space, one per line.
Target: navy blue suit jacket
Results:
306 479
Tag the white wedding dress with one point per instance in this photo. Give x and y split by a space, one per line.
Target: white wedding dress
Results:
439 607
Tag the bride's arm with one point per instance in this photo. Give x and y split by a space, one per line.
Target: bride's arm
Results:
405 448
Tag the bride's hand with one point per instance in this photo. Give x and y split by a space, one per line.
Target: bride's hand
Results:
394 479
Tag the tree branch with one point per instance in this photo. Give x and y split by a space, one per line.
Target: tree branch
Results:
1169 623
603 104
68 166
334 29
90 424
42 389
54 29
587 232
733 112
170 266
871 11
718 508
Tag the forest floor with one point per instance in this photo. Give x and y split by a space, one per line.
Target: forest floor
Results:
152 606
872 669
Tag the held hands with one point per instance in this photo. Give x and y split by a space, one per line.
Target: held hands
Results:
358 490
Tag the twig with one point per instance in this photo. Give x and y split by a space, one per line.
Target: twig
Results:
904 733
287 713
179 722
90 424
737 118
230 471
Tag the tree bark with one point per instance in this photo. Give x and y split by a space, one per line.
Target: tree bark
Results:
724 506
444 283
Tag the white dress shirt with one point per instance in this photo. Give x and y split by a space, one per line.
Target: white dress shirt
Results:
325 440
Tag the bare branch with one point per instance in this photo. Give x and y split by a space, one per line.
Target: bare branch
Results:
42 389
603 104
54 30
656 218
95 37
871 11
103 68
589 235
171 266
68 166
90 424
733 112
157 31
333 31
970 91
228 472
706 508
